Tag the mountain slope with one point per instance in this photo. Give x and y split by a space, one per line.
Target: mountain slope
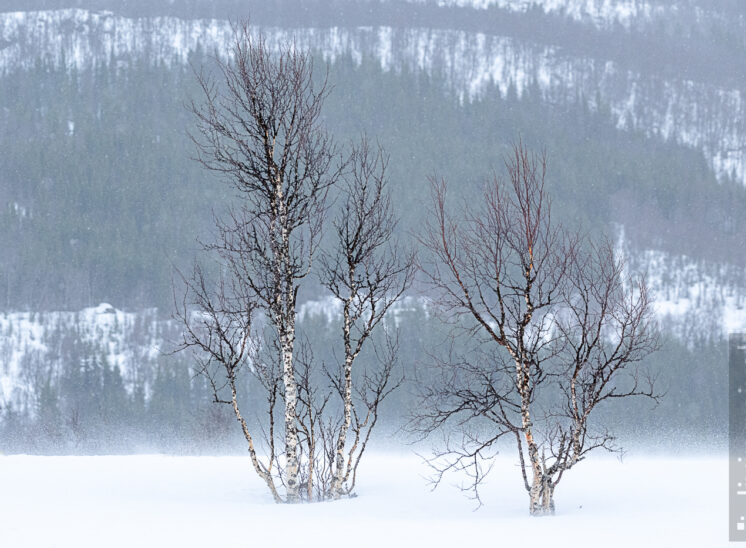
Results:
692 113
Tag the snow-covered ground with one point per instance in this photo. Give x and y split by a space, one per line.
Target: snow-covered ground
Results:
217 501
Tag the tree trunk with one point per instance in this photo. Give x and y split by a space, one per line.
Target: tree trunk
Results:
263 472
291 428
339 474
285 321
542 490
541 496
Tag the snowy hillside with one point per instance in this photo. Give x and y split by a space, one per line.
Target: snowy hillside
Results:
34 346
600 13
691 301
694 300
45 356
692 113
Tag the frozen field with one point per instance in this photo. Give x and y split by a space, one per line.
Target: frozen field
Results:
165 501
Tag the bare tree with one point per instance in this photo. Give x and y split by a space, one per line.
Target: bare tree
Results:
259 126
220 334
560 329
367 272
261 129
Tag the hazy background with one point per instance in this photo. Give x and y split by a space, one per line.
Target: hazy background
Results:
639 105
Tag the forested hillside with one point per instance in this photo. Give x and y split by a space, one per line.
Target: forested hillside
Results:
100 199
99 184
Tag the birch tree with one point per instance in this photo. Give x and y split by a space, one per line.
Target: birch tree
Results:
259 126
367 272
218 322
557 325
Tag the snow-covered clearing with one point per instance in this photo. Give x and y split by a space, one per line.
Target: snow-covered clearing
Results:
170 501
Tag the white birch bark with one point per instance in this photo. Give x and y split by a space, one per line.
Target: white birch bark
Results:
537 484
261 470
284 321
339 472
291 428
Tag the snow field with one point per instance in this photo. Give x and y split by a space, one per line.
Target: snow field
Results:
166 501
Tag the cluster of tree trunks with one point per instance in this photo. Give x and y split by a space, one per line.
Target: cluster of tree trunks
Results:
553 318
547 310
259 125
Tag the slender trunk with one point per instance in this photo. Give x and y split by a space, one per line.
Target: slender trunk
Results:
542 490
311 461
291 428
547 500
285 322
541 496
541 483
339 473
260 469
